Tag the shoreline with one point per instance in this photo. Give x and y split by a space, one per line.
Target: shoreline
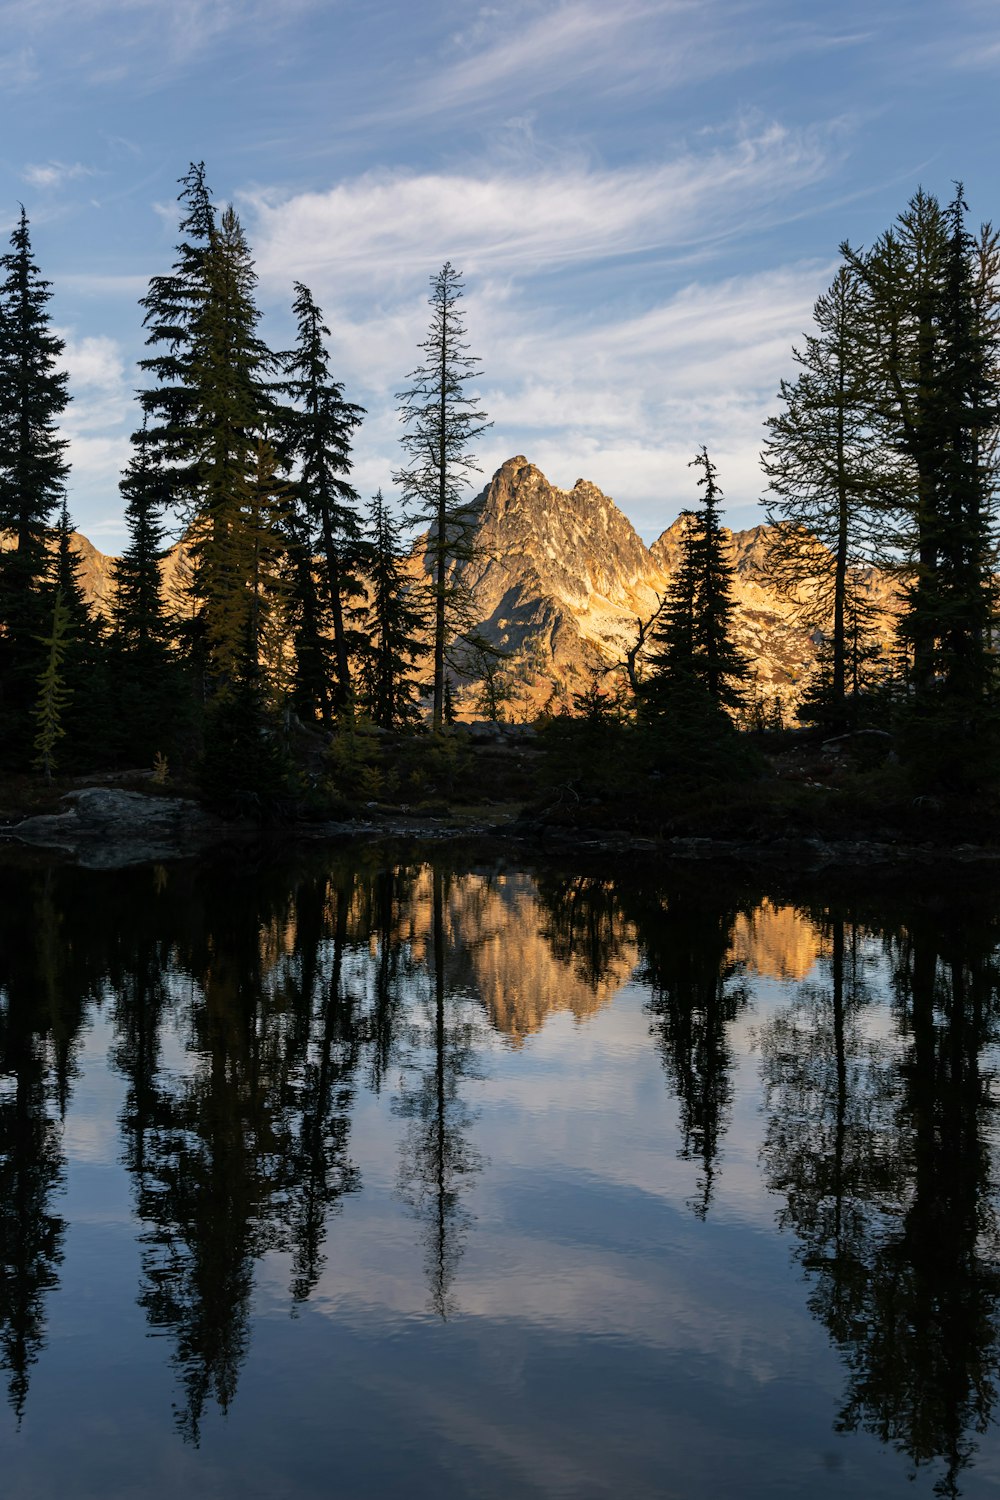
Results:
108 828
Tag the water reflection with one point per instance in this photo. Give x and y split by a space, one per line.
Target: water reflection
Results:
255 1011
881 1150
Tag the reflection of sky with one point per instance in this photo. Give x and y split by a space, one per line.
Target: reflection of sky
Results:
606 1342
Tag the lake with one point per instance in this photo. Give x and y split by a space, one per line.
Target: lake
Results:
421 1173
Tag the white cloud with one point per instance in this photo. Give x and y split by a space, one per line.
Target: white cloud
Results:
93 361
110 40
389 226
623 401
96 422
532 51
53 174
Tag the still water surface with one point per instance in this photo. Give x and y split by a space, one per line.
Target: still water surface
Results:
336 1179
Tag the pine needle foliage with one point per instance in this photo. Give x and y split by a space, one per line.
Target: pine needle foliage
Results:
229 366
172 312
933 335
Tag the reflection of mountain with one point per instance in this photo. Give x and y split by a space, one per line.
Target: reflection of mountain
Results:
499 950
776 942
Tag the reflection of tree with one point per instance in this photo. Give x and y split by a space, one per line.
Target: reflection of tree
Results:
247 1153
437 1158
41 1007
211 1159
696 994
887 1182
585 927
322 1094
389 891
31 1169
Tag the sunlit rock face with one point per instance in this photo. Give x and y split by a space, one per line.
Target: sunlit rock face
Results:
94 569
559 580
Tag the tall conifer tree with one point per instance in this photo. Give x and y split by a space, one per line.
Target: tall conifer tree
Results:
393 626
442 419
317 433
932 331
824 460
147 689
228 369
173 308
693 641
33 469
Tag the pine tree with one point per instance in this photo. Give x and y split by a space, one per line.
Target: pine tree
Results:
53 693
822 459
147 689
90 712
721 667
442 419
33 395
671 661
393 626
138 613
694 653
173 309
229 363
317 433
933 336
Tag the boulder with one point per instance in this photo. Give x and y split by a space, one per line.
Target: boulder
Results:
107 828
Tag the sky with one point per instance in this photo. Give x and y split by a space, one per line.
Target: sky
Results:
645 200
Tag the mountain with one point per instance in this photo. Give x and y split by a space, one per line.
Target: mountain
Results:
559 580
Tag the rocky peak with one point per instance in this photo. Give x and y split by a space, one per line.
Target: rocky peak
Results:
577 541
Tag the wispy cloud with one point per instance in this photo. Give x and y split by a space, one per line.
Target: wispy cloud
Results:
622 400
53 174
108 39
535 51
388 225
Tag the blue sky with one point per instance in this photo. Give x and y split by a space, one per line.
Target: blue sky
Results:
645 201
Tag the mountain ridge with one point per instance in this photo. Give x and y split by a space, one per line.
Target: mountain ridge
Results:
559 580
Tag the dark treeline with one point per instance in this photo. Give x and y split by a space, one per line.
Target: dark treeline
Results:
291 604
295 993
294 619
